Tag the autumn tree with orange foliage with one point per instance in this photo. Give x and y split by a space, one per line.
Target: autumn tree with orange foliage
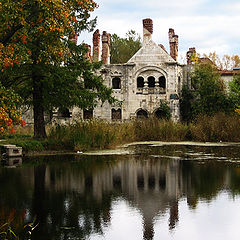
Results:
9 113
39 60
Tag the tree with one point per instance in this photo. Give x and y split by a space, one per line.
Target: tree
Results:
235 91
39 58
9 113
186 102
225 62
122 49
208 95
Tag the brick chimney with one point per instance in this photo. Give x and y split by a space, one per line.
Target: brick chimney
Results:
106 39
190 54
173 42
147 30
96 46
88 53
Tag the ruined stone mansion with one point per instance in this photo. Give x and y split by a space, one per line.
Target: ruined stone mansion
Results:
151 75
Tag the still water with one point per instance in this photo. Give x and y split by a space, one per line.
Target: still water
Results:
156 192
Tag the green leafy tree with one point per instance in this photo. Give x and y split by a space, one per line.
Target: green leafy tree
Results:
208 95
164 110
122 49
39 59
235 90
186 102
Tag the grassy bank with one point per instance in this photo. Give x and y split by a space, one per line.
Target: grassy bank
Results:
95 134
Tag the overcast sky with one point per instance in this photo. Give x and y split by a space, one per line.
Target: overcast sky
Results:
208 25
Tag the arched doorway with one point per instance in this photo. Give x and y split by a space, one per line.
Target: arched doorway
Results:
87 114
142 114
116 114
161 114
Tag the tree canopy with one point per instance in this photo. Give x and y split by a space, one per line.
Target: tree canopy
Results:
122 49
235 91
207 96
225 62
9 113
39 59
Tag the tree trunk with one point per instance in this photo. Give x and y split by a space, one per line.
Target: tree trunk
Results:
38 108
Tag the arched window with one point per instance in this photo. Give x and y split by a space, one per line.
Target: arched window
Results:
142 114
162 82
116 114
64 113
116 83
87 114
140 82
151 82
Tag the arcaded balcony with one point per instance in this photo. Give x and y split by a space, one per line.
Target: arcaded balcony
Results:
151 85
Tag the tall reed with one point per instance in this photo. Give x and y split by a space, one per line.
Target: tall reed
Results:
93 134
154 129
96 134
219 127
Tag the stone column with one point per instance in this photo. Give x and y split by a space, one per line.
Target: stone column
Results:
157 88
96 46
106 39
145 88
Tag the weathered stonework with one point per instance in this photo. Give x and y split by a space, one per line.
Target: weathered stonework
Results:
96 46
106 39
150 76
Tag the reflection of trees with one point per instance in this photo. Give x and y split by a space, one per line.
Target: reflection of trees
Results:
203 180
65 213
72 197
15 192
234 179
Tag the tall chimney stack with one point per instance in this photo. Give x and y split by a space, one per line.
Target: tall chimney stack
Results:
147 30
88 53
96 46
173 42
190 54
106 39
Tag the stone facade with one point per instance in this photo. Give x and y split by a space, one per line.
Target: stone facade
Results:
150 76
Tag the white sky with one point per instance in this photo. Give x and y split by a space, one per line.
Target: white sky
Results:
208 25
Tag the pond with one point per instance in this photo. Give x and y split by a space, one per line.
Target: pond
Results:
152 191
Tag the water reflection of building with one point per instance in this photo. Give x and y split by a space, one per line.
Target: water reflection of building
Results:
81 193
150 185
